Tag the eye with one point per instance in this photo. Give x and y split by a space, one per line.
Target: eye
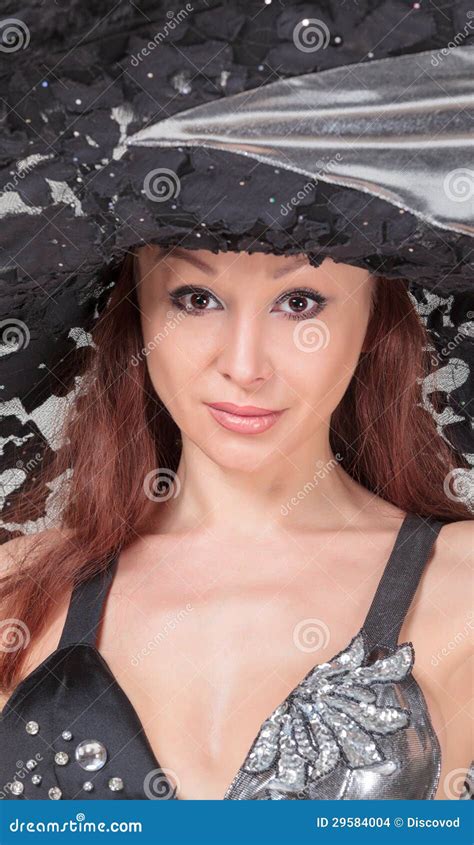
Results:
198 301
303 303
300 305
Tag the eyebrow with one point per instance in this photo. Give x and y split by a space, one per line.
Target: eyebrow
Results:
187 255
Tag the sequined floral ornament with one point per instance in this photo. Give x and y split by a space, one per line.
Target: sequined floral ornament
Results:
331 716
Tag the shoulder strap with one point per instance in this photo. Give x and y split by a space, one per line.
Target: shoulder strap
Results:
400 579
85 607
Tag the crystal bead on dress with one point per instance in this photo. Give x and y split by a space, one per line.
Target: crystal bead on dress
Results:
61 758
67 735
32 727
31 764
91 755
115 784
17 787
88 786
36 779
54 793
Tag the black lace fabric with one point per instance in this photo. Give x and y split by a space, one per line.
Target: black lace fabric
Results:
71 195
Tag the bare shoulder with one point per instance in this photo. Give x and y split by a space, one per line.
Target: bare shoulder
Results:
13 554
453 559
447 587
458 538
453 550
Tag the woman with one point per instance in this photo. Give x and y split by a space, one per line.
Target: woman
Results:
249 554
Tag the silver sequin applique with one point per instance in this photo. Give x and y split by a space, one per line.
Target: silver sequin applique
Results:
331 715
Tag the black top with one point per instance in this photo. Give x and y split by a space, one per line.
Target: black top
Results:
354 727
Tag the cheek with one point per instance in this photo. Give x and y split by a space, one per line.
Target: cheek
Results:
175 355
321 359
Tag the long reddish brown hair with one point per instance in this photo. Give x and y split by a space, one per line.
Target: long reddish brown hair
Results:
118 430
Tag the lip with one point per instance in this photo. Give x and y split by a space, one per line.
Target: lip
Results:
241 410
243 423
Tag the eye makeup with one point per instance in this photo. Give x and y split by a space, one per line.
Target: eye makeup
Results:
297 296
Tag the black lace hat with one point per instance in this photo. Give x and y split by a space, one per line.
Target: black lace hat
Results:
340 129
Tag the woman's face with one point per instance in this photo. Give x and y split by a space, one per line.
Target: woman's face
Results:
260 330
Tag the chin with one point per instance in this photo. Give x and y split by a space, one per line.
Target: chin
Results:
243 456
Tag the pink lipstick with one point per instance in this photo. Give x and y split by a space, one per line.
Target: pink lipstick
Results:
244 419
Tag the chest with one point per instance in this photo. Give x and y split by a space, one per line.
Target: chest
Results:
204 675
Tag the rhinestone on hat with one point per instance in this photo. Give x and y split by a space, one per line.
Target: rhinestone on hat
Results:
32 727
61 758
17 787
181 82
54 793
91 754
115 784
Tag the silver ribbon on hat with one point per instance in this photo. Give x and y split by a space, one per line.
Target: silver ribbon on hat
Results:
399 128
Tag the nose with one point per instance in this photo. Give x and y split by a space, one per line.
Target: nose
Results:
245 353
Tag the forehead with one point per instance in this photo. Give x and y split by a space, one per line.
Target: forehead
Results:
210 262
